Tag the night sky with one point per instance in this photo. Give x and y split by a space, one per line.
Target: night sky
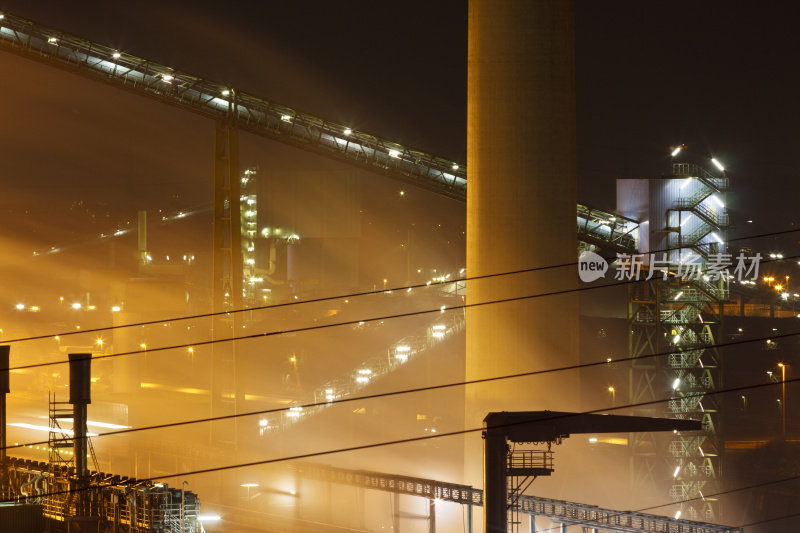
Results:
717 76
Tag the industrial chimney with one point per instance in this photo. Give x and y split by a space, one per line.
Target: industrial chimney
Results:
521 200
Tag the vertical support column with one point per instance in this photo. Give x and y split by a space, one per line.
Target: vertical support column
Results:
117 500
432 515
4 389
361 504
227 276
495 498
328 503
298 501
643 340
532 523
227 218
469 518
396 512
142 237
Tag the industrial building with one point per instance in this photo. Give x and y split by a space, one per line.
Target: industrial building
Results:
296 231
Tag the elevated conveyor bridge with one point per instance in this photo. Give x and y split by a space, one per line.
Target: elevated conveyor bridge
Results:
274 121
590 517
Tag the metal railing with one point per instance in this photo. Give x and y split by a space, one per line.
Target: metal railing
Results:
529 460
703 212
692 170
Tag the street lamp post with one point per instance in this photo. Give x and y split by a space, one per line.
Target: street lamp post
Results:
613 392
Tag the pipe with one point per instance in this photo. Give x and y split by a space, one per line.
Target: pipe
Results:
273 266
183 505
33 482
80 365
36 481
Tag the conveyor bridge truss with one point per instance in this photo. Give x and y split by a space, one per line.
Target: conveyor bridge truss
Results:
256 115
589 517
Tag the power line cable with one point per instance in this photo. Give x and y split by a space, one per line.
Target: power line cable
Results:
406 440
299 329
704 497
440 387
487 379
369 293
311 328
335 324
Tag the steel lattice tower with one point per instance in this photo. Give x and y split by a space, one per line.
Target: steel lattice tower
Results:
679 311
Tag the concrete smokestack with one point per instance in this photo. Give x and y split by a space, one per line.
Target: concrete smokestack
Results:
521 199
80 372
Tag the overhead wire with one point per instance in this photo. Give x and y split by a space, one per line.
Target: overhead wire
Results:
361 398
394 442
326 326
396 316
704 497
477 381
366 293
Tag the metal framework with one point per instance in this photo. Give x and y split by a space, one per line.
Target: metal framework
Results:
248 217
543 427
227 291
682 313
232 109
61 441
376 367
558 511
607 231
227 214
216 100
116 501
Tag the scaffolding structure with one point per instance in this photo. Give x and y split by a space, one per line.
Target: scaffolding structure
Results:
679 311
